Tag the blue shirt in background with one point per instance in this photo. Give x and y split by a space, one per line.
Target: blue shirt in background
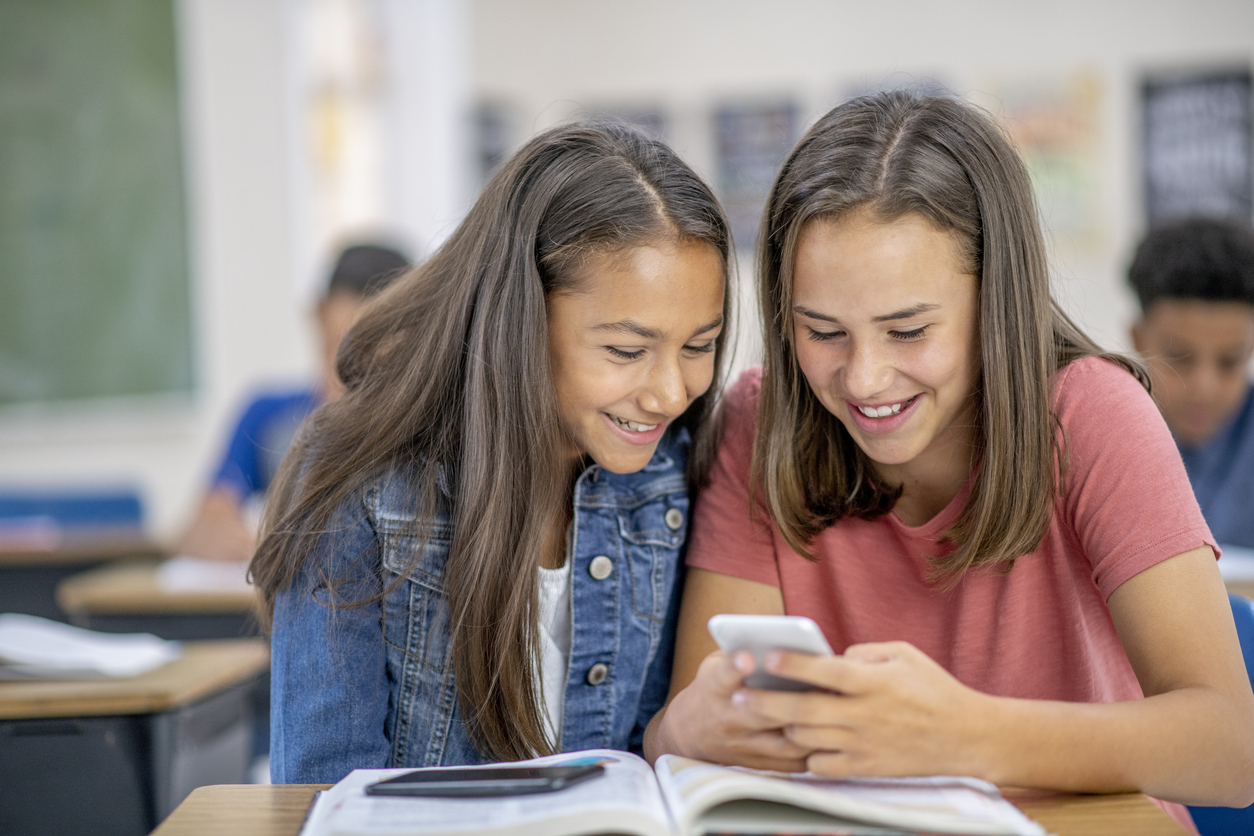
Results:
1222 474
262 438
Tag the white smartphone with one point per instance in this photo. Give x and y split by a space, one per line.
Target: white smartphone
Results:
760 634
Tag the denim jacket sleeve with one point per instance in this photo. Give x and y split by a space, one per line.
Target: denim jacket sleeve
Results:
329 680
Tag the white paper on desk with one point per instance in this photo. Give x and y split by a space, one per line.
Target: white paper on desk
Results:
38 648
195 574
1237 563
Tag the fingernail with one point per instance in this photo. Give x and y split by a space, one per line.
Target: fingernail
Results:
739 698
743 662
773 660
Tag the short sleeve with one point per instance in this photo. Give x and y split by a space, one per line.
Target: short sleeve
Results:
261 439
1127 497
726 537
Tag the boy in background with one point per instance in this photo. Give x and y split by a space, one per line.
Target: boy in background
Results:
1195 282
221 529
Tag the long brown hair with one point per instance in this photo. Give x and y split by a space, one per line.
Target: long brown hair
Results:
895 154
448 377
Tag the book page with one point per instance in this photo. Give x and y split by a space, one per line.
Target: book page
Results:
623 800
938 804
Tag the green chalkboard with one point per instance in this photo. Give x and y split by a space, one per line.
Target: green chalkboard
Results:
94 288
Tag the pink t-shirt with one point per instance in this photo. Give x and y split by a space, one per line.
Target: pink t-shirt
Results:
1040 631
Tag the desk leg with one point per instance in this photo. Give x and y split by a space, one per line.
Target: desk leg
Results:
209 742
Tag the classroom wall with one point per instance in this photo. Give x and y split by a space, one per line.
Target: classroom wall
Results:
548 58
247 324
258 259
255 262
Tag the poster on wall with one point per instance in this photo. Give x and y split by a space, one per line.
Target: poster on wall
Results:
493 136
1055 122
1197 139
751 141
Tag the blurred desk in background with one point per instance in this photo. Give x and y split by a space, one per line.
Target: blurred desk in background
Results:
48 535
115 756
130 597
280 811
29 576
1237 567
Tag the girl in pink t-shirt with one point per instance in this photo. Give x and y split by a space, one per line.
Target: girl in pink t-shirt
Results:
984 513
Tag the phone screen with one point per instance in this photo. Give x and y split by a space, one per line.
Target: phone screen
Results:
480 782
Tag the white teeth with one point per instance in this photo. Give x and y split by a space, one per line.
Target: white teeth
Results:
880 412
633 426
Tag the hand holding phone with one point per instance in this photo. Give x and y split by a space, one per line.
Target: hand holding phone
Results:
760 634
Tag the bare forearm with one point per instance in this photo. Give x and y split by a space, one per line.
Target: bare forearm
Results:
1190 745
218 531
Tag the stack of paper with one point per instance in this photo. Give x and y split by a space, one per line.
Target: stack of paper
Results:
195 574
37 648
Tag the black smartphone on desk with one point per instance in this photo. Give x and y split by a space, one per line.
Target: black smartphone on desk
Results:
483 782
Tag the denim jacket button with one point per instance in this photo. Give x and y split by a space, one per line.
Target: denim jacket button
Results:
674 519
597 673
600 568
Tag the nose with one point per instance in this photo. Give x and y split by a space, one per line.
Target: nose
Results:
867 372
664 392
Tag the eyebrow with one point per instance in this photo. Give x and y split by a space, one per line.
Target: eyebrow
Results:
904 313
630 326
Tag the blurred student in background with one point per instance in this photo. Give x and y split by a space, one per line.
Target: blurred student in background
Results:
1195 281
223 528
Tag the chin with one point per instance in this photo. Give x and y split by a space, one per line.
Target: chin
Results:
624 464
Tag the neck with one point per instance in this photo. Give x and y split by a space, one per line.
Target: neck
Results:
931 480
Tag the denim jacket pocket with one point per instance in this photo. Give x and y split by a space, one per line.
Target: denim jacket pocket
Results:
415 610
416 633
653 548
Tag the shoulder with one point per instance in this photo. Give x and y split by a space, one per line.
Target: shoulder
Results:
392 497
740 411
1092 387
1108 423
744 394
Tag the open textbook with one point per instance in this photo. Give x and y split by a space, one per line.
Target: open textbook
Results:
680 798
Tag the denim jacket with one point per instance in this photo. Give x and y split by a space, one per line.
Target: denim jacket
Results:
373 686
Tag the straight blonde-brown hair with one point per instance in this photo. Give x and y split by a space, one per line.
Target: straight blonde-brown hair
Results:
896 154
448 379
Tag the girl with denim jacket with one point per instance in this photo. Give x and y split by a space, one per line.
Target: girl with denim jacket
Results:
475 553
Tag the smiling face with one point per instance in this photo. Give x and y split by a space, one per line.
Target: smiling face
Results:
632 345
1198 354
885 328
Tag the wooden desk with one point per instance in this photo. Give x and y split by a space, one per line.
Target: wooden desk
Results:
29 576
204 669
1245 588
117 755
280 811
127 597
